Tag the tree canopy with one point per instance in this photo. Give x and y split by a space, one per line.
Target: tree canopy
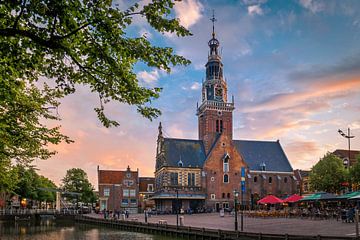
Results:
68 44
328 174
86 42
33 186
355 172
76 180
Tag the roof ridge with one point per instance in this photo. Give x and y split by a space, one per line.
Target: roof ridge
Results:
248 140
184 139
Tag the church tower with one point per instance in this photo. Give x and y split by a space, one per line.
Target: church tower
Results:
215 112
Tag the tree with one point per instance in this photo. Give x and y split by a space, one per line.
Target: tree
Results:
76 180
86 42
72 43
355 172
328 174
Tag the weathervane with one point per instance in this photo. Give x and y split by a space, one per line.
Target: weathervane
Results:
213 19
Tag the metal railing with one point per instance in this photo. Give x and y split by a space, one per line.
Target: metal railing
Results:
38 211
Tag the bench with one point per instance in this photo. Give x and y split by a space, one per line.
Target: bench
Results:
163 222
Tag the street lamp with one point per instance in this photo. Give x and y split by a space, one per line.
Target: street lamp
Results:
177 207
236 195
348 136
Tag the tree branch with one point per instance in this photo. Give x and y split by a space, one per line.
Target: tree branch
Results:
19 16
72 32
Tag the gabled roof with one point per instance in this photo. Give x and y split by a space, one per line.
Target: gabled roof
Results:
256 153
114 176
190 152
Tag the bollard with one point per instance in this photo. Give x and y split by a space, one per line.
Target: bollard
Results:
357 223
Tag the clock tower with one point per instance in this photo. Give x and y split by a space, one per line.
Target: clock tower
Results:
214 113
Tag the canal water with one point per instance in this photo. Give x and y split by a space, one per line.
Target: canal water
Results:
56 230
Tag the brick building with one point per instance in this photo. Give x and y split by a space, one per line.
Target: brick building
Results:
146 191
344 155
204 173
303 182
118 190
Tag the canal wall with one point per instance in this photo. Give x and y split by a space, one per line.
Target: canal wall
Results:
188 232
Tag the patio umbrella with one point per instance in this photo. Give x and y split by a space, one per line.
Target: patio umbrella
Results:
293 198
349 195
270 199
319 196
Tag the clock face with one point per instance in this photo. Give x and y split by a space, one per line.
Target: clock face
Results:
218 93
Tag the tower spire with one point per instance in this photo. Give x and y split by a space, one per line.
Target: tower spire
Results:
213 19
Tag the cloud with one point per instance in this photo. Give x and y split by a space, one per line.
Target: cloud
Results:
302 152
148 77
254 10
313 5
195 86
189 12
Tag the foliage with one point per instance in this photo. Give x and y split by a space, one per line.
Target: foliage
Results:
8 178
22 137
86 42
32 185
355 172
328 174
76 180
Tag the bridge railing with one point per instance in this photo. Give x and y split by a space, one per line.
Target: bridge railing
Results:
38 211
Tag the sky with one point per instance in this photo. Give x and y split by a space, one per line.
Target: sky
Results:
293 68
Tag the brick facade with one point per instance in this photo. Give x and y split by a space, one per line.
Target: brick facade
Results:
118 190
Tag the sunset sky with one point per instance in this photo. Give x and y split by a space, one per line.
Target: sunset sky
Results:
292 66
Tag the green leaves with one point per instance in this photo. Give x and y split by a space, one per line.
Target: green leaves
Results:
71 43
328 174
76 180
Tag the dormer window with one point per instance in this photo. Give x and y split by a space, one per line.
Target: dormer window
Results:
180 163
263 166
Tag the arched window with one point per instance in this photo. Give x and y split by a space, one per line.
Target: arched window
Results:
228 195
226 164
223 195
226 178
255 179
285 179
270 179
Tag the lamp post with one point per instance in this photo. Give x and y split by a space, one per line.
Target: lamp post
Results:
236 195
347 162
348 136
242 212
177 207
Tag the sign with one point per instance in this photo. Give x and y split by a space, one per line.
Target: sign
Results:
242 179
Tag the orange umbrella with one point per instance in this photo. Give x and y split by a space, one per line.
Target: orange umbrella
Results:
270 199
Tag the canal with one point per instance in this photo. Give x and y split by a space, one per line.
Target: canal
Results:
66 230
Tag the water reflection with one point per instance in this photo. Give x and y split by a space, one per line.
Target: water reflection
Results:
62 230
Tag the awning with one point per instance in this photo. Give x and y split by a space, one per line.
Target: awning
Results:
270 199
350 195
293 198
320 196
180 196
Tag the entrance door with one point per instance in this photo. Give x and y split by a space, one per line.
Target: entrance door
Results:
217 207
176 205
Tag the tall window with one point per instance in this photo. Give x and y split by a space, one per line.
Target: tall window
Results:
106 192
285 179
173 178
226 164
126 192
191 179
255 179
270 179
219 126
226 178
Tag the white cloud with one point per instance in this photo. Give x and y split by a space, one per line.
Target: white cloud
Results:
149 77
312 5
189 12
145 32
255 9
195 86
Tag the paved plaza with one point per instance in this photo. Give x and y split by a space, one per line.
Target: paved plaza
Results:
294 226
